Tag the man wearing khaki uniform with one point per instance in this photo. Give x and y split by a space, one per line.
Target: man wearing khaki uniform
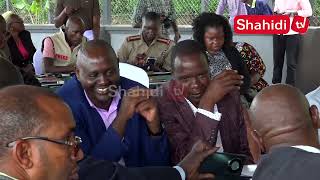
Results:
136 50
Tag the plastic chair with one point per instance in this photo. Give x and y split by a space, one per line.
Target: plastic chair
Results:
37 62
134 73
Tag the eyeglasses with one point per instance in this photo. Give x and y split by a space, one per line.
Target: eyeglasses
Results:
74 142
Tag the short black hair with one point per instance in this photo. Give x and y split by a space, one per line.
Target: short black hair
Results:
21 113
151 16
205 20
185 47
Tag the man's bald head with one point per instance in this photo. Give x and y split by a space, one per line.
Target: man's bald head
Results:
94 49
74 30
280 114
74 20
22 113
9 74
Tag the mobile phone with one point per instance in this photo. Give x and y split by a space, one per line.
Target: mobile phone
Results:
223 164
150 63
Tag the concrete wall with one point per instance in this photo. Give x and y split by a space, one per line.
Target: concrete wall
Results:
263 44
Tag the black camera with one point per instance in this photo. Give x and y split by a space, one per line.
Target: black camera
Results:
167 22
224 165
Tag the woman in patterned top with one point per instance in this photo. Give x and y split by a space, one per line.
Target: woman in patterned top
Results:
254 64
214 33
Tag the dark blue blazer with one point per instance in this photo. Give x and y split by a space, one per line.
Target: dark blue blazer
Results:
137 147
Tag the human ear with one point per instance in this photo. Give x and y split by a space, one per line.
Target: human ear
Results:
23 154
314 113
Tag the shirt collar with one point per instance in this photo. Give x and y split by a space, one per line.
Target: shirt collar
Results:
153 42
194 109
308 149
115 100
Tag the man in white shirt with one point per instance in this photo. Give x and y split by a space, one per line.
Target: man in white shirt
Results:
287 129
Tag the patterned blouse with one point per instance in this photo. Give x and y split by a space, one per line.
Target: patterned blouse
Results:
254 63
162 7
217 63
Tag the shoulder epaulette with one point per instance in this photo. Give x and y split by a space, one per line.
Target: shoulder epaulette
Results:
133 38
164 40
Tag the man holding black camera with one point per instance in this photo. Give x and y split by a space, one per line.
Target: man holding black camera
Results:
167 14
148 50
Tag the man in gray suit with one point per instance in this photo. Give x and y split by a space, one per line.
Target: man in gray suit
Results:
287 130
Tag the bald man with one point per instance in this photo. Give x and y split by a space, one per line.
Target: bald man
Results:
115 120
60 49
287 130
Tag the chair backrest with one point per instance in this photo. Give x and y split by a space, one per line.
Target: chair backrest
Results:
134 73
37 62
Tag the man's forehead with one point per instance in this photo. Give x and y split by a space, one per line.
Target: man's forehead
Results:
190 58
149 22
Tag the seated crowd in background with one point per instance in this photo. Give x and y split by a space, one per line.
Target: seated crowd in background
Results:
9 50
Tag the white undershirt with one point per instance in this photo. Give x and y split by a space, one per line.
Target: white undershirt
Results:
214 115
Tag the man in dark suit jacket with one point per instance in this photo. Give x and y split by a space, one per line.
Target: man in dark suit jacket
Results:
191 105
287 129
115 117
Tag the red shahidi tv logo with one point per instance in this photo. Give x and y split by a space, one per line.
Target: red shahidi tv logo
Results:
258 24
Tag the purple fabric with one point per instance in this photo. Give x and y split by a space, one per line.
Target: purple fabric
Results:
235 7
108 116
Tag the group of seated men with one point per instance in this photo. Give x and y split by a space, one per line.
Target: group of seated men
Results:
99 114
39 138
60 50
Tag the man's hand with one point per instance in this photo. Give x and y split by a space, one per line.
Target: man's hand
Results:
148 109
177 36
69 10
191 163
222 84
140 59
132 98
